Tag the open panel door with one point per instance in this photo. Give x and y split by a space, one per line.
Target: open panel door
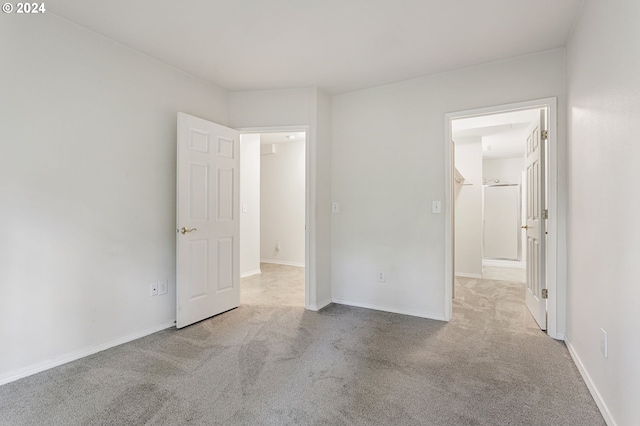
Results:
535 224
208 224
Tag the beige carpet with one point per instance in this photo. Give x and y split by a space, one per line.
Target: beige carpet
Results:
269 365
277 285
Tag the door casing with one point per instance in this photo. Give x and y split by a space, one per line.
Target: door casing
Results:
555 256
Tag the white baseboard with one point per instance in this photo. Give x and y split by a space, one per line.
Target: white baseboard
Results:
465 275
516 264
604 410
250 273
320 305
81 353
282 262
374 306
557 336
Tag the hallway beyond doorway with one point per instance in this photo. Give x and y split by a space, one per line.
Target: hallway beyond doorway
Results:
277 285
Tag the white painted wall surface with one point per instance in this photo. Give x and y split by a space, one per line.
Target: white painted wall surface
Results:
323 190
249 204
468 208
505 169
262 108
388 166
282 195
603 69
311 107
87 172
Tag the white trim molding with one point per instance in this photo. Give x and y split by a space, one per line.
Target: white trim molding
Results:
386 308
515 264
282 262
465 275
320 305
604 410
250 273
81 353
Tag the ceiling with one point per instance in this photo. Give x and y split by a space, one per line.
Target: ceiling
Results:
338 45
281 137
502 134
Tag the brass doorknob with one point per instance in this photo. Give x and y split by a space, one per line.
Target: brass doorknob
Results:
523 227
186 230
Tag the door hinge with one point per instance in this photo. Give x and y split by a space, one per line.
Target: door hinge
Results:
545 214
544 135
545 293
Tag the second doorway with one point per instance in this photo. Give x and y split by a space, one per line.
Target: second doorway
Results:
273 218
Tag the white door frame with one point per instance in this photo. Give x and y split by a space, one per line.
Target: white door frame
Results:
309 201
556 284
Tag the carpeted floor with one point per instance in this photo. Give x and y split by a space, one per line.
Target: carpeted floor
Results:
277 285
269 365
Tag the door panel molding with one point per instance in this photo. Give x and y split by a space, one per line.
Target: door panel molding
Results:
207 198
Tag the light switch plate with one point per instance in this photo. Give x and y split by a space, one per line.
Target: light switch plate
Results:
335 207
436 207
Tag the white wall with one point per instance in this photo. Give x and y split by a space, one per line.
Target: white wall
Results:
322 171
603 69
388 166
250 200
468 208
87 182
282 195
505 169
311 107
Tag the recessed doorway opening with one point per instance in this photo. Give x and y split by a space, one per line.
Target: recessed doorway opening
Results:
488 192
274 217
501 203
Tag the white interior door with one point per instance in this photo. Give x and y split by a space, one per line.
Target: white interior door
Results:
208 234
535 224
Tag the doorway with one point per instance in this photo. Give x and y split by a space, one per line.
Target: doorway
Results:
511 251
274 217
489 167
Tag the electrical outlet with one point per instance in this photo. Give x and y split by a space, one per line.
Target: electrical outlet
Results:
277 245
153 289
604 343
382 277
163 287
